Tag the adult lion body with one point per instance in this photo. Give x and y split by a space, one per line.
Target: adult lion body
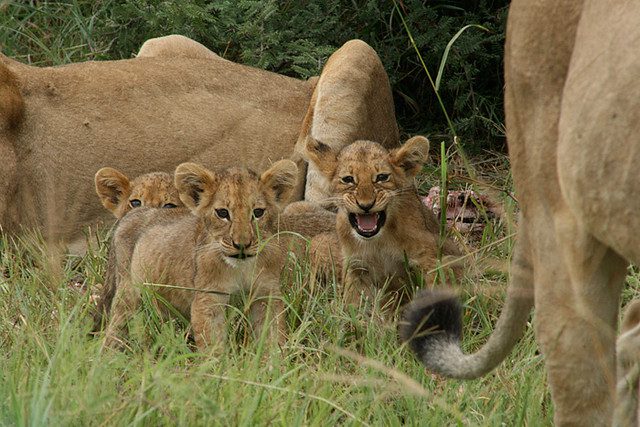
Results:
573 114
59 125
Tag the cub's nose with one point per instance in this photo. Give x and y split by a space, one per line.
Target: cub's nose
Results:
366 207
241 246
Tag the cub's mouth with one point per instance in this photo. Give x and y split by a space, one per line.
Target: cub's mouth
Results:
367 224
241 255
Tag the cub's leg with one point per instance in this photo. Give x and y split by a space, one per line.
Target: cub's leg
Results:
357 283
208 321
125 303
426 264
267 305
577 285
325 256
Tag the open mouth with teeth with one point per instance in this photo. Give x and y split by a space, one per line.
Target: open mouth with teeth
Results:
367 224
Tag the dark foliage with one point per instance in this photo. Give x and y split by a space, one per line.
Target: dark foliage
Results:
295 37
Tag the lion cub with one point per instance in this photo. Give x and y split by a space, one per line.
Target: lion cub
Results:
382 226
119 195
218 246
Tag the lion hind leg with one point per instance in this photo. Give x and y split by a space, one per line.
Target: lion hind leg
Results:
576 297
125 303
628 367
432 325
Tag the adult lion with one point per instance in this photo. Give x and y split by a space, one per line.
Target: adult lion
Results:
573 119
177 102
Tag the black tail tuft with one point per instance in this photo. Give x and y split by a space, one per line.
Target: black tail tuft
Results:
432 315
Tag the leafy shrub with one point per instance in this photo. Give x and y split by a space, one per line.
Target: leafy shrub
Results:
295 37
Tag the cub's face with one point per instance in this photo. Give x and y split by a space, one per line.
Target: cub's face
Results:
239 207
119 195
365 178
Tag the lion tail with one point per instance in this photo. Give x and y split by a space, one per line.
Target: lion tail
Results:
11 101
432 327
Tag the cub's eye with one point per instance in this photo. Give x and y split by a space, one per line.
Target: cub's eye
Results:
222 213
348 179
382 177
135 203
257 213
169 205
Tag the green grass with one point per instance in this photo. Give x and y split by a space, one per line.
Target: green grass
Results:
338 366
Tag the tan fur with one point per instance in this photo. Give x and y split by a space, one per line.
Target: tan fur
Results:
628 364
172 104
307 219
572 104
350 102
219 246
119 195
175 46
11 114
380 182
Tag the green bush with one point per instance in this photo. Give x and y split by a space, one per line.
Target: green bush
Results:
295 38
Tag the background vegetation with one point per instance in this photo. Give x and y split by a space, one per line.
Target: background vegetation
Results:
295 37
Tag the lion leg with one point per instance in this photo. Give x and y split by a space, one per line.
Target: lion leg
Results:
208 319
325 257
125 303
577 285
628 365
357 284
268 306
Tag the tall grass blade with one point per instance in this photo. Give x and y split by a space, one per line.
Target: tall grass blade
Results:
445 55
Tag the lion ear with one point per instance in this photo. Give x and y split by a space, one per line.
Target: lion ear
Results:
113 188
322 156
279 181
411 155
196 184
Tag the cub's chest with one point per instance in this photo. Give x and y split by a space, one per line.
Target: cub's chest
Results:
219 273
382 262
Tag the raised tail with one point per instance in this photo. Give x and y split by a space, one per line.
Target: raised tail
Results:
432 326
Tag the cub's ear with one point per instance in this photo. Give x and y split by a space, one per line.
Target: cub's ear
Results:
196 184
280 180
411 155
322 156
113 188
